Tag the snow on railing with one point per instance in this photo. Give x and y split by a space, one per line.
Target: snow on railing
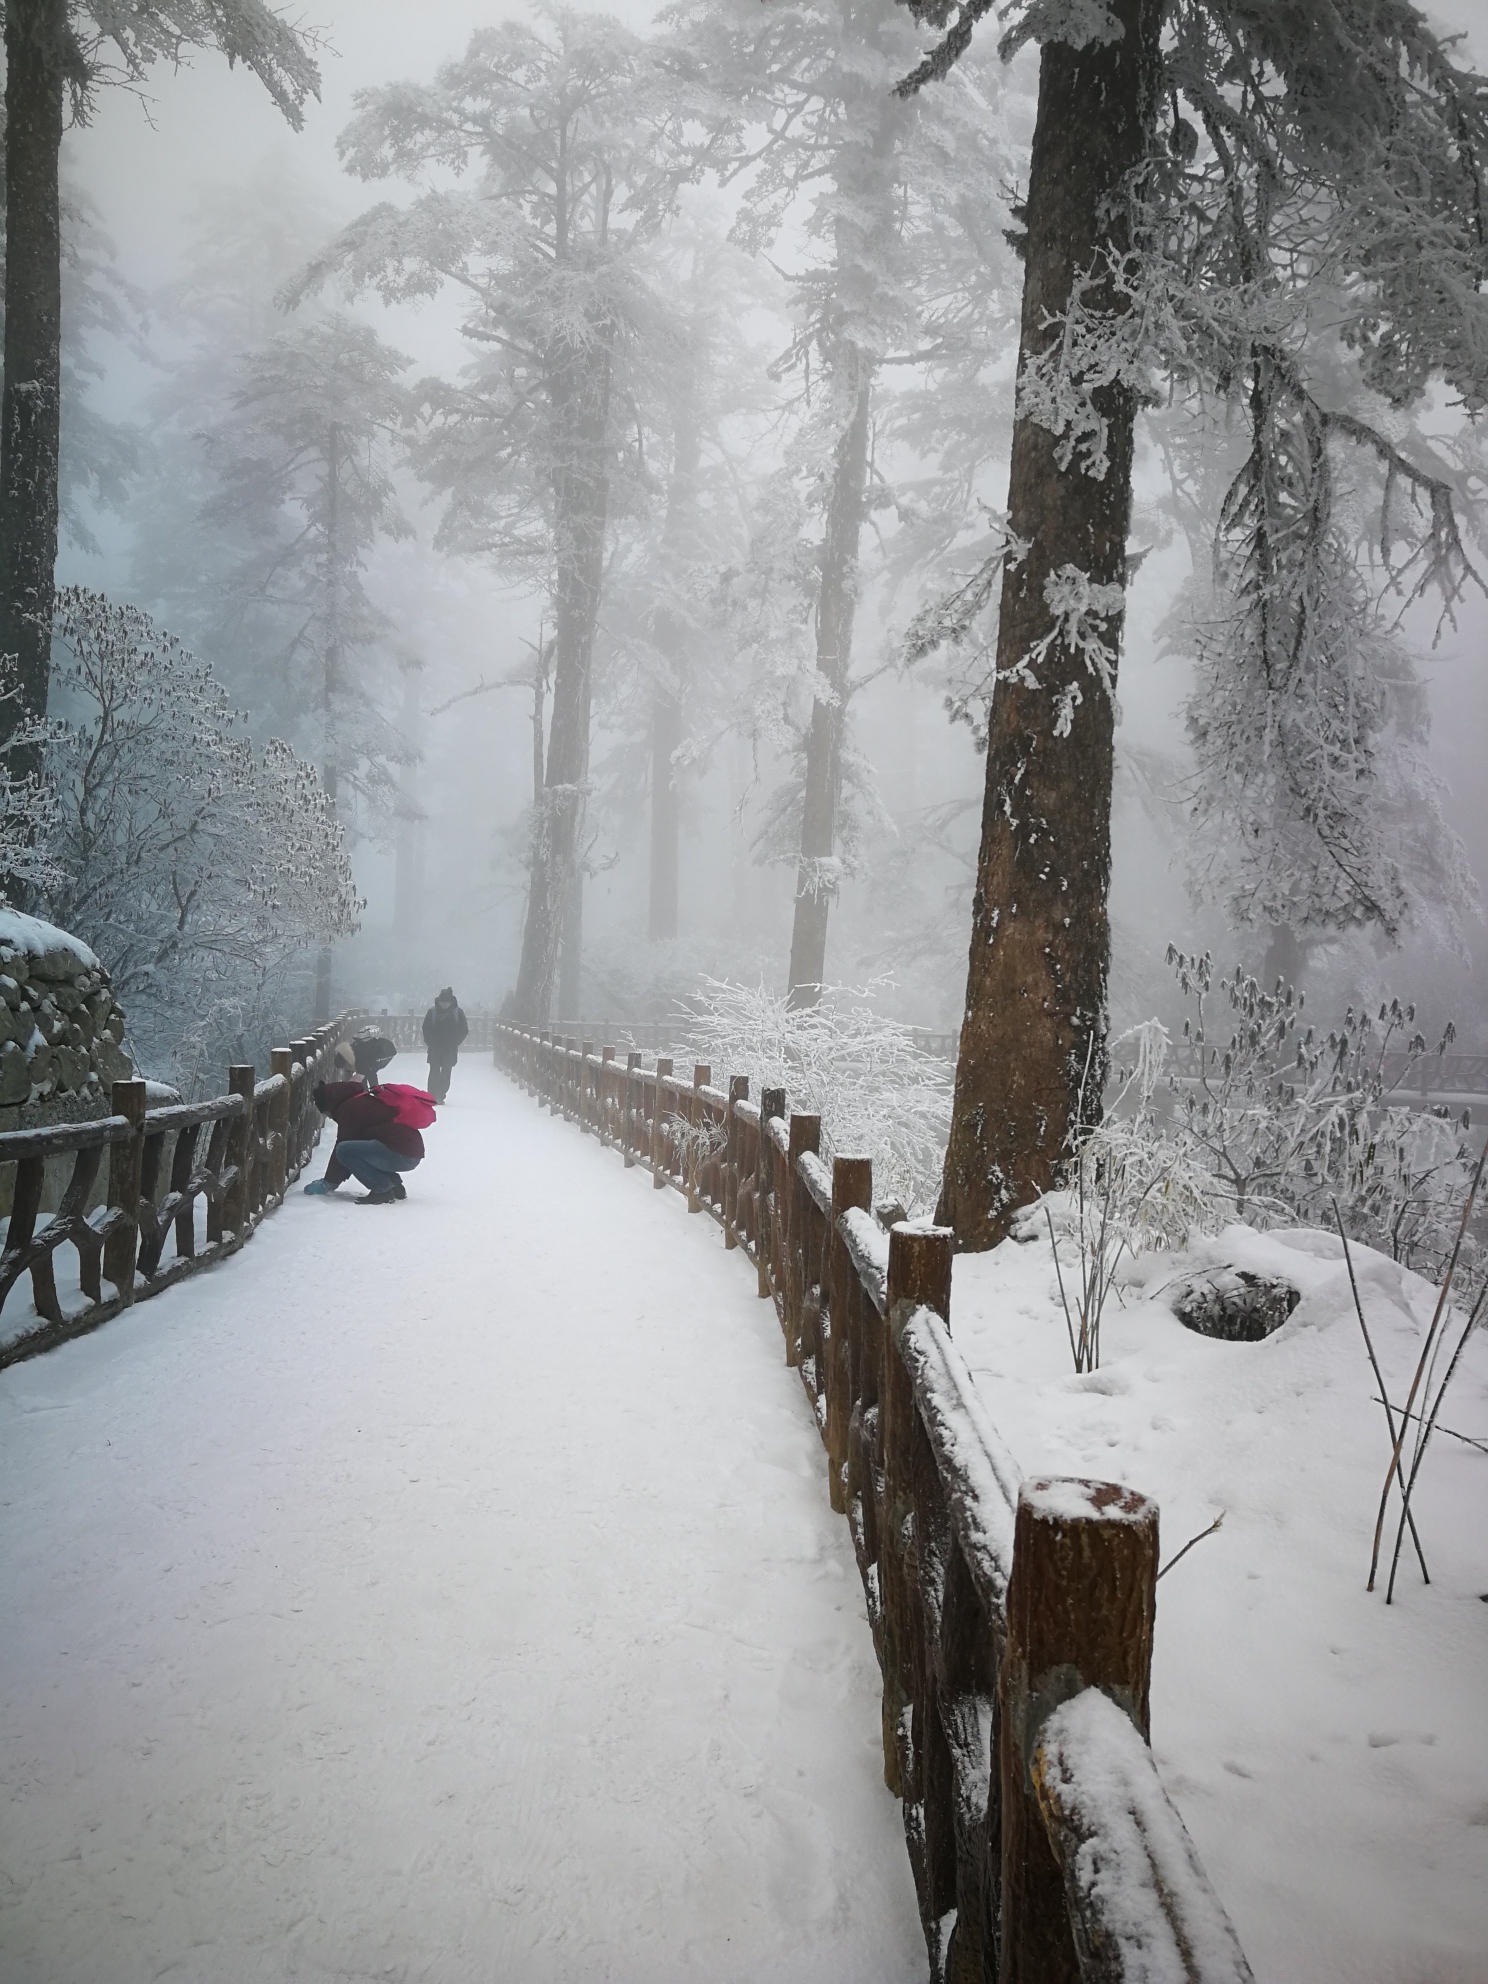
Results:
258 1138
1012 1619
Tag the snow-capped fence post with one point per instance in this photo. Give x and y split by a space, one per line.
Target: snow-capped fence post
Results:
628 1113
772 1107
587 1077
658 1131
702 1075
126 1165
738 1091
238 1195
281 1064
852 1187
606 1089
1081 1605
805 1134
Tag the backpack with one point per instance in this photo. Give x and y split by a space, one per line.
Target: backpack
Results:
414 1107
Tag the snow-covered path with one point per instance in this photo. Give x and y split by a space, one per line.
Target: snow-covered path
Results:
442 1591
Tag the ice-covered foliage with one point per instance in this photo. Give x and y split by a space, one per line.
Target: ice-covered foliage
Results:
202 870
304 456
1268 1119
878 1094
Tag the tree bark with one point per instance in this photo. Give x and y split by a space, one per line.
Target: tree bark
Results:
1033 1040
580 389
37 46
836 603
666 735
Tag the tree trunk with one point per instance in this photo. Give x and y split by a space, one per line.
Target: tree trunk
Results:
1033 1041
816 882
666 735
571 957
580 388
36 48
330 680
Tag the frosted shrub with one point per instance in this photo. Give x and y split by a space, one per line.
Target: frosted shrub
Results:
1288 1119
876 1092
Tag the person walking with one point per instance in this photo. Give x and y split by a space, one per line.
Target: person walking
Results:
375 1141
445 1026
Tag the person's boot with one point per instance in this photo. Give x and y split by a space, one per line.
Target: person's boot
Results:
388 1196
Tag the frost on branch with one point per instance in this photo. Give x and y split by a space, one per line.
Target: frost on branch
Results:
204 872
876 1091
1083 610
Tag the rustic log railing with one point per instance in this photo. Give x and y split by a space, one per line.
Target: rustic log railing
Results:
238 1152
1012 1618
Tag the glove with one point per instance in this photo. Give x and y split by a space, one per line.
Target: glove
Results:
318 1188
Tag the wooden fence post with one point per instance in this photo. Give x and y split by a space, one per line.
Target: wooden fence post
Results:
805 1134
658 1140
606 1079
627 1114
241 1078
126 1162
586 1054
852 1186
919 1276
702 1074
738 1091
281 1062
1081 1604
772 1104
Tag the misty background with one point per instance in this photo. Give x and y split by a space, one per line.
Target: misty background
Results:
201 206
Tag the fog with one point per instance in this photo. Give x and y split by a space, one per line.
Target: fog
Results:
210 206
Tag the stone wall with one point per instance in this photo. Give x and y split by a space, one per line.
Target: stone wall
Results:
61 1036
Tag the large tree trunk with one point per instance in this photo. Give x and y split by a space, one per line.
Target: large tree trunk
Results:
666 735
816 882
580 388
36 49
672 640
1033 1040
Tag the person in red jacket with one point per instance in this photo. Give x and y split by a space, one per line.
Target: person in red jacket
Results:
372 1144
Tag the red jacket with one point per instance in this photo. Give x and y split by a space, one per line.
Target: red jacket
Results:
361 1113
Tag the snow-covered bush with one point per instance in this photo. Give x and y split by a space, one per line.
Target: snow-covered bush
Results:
203 871
1273 1123
878 1094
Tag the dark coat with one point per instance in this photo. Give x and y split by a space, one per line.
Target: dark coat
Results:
361 1113
445 1026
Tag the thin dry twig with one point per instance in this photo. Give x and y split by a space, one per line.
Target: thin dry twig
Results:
1378 1374
1181 1554
1425 1435
1425 1358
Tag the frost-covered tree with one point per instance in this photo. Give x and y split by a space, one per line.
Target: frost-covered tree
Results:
1278 210
202 869
565 140
304 463
894 204
58 52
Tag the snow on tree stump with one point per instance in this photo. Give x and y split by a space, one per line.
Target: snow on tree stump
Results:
61 1038
1234 1305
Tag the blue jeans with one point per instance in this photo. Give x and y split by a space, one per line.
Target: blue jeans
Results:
371 1163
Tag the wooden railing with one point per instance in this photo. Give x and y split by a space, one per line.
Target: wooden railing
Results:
1013 1619
238 1152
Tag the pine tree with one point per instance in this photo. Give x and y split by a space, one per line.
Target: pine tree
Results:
568 138
58 53
1206 180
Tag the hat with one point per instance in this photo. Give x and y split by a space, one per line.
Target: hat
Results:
447 993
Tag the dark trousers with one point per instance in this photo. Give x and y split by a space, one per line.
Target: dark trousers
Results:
371 1163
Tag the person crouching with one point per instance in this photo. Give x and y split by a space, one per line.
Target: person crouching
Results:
372 1144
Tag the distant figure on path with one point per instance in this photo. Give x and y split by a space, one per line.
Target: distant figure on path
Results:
445 1026
375 1140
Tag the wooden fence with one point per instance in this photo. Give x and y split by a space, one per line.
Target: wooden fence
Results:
239 1152
1013 1619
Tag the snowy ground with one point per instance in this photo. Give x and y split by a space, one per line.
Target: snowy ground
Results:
445 1591
1329 1756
